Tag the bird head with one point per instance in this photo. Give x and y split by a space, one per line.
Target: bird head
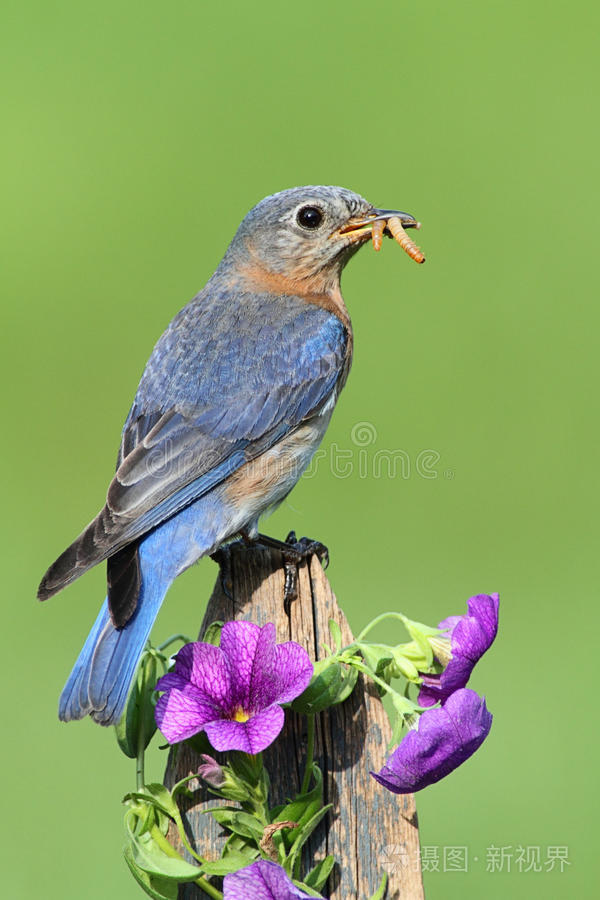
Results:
306 235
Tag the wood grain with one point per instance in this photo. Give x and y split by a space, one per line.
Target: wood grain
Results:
369 830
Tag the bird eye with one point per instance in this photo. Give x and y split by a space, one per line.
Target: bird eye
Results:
310 216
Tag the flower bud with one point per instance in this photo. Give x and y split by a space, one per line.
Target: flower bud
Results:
138 715
211 772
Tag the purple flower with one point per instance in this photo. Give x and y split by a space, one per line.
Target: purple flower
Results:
263 880
445 738
211 772
470 636
232 692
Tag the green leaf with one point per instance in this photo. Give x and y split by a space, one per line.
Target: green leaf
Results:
306 888
380 892
237 844
156 887
350 677
231 863
239 822
303 807
322 689
149 857
232 848
304 831
376 656
159 796
317 877
332 683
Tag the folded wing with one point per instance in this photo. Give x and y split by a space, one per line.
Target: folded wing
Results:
227 380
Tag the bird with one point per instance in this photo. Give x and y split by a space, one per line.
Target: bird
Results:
232 404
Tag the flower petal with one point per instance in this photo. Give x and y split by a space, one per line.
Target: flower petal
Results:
449 624
250 654
477 630
181 713
470 635
251 736
293 671
446 737
263 880
204 666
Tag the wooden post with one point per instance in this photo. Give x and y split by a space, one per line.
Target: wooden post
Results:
369 830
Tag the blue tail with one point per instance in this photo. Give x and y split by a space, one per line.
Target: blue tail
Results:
101 677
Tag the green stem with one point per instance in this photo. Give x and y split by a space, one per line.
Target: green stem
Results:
310 753
185 842
377 620
174 637
370 674
139 760
159 839
208 888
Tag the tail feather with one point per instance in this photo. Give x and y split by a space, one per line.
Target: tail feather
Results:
101 677
93 545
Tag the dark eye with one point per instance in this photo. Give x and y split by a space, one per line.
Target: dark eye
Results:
310 216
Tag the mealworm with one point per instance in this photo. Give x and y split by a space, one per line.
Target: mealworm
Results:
394 225
377 233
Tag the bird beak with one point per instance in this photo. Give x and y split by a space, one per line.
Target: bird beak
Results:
360 227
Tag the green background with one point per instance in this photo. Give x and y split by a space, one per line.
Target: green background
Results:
135 138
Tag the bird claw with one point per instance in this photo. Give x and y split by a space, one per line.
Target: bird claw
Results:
295 552
222 557
306 547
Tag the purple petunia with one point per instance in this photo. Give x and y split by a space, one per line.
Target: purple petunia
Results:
263 880
445 738
470 636
232 692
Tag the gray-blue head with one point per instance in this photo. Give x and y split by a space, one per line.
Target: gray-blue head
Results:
306 234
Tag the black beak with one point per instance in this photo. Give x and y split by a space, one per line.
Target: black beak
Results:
407 220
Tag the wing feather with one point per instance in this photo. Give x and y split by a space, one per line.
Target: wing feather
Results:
228 379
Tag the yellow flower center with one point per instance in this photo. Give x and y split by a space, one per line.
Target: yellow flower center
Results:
240 715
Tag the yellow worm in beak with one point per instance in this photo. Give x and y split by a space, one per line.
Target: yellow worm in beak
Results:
377 233
394 226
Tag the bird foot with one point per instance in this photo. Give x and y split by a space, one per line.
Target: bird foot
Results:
294 553
222 557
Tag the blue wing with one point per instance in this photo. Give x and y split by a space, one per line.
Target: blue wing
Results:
231 375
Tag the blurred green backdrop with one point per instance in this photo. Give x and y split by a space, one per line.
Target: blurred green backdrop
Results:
135 137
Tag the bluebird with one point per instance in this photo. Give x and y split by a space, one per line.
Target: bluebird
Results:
232 404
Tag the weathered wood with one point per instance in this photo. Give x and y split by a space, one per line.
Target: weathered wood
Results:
369 830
